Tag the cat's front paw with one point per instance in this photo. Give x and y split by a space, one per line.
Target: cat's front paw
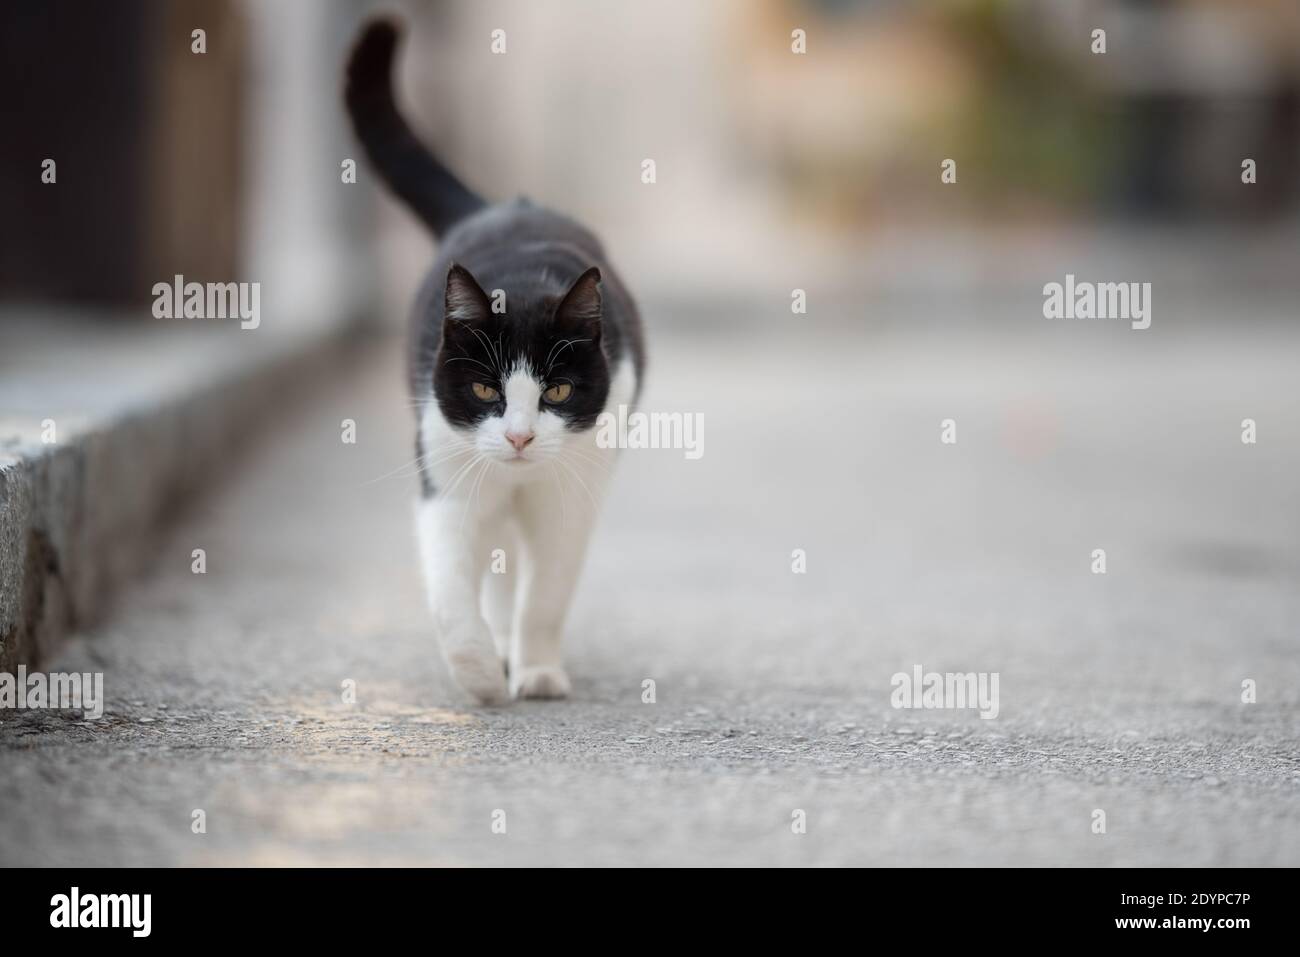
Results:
540 681
479 671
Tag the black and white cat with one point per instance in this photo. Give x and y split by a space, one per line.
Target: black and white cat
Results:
521 336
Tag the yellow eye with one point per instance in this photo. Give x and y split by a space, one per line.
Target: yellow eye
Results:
486 392
557 393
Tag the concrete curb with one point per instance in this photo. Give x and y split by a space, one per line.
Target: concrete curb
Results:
78 517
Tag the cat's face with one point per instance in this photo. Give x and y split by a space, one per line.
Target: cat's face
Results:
521 384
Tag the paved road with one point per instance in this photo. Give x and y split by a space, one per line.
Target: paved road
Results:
1118 692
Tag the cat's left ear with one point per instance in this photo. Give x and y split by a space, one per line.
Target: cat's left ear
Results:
579 311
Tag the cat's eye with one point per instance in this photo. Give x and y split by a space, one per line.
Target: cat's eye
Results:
486 392
558 393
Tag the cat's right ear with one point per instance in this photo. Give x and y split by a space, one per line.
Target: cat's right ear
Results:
466 302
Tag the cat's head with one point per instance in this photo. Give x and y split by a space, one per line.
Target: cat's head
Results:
522 379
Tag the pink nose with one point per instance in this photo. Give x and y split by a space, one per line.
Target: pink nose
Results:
519 439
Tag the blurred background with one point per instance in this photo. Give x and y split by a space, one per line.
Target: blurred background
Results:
770 165
775 171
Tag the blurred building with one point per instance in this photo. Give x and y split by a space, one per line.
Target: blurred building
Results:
199 137
225 165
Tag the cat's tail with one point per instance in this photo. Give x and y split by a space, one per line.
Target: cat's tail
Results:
410 170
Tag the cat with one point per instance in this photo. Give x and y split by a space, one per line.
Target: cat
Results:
521 336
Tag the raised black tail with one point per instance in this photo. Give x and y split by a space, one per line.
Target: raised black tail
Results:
411 171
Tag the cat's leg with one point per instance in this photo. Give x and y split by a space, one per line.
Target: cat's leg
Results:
454 558
554 544
501 539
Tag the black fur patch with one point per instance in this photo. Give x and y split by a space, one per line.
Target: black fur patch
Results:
567 314
556 336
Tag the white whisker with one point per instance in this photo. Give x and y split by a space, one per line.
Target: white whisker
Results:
474 491
595 506
420 462
459 475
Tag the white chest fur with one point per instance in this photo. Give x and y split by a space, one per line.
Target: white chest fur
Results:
502 542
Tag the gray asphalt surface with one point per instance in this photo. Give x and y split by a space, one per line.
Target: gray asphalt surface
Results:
1118 692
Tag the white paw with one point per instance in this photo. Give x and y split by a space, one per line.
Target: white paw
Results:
540 681
479 671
